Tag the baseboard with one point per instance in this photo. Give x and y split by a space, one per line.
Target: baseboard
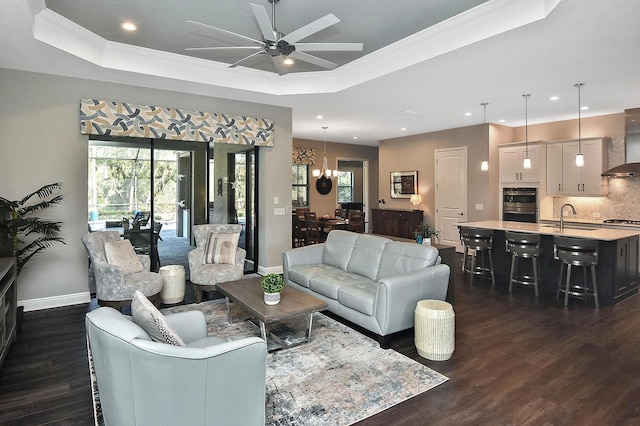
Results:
271 270
55 301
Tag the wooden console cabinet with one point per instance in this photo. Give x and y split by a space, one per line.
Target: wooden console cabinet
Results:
397 223
8 304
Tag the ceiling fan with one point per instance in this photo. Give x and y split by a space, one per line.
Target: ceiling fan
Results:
279 46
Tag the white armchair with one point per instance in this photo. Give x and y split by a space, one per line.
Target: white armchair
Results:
210 381
113 287
205 276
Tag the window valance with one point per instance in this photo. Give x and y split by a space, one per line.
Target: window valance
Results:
301 155
111 118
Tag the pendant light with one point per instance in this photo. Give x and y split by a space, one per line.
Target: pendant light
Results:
526 164
325 171
485 163
579 156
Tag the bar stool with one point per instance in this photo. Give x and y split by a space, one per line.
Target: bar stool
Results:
577 252
480 241
522 245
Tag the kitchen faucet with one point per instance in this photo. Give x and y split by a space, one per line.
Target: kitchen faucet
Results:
573 210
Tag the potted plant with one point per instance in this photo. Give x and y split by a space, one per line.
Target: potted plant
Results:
272 284
424 232
23 235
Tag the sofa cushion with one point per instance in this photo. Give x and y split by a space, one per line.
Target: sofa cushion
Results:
338 248
328 284
121 254
302 274
221 248
366 255
149 318
361 297
401 258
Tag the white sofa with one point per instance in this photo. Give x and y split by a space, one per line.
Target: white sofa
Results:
369 280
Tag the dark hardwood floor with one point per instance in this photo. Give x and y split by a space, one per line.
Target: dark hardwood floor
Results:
517 361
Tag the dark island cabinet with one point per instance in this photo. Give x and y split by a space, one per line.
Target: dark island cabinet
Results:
626 268
397 223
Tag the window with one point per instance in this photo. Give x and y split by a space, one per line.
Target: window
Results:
300 185
345 187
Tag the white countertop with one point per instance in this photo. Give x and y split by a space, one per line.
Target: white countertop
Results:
602 234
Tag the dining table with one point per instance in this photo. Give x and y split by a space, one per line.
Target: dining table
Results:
328 224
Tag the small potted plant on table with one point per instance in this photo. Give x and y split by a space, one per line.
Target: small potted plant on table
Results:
424 232
272 284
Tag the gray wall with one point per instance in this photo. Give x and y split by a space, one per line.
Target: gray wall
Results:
41 143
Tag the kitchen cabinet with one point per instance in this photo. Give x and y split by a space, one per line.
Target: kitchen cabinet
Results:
511 159
8 305
397 223
565 178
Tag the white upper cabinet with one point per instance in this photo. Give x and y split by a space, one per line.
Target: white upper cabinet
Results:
511 159
565 178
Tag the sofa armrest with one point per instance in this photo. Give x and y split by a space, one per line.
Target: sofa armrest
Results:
241 255
195 257
308 255
107 276
397 296
190 325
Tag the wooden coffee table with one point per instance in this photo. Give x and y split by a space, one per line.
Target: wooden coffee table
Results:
249 296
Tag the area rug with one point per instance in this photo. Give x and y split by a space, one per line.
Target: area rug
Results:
338 378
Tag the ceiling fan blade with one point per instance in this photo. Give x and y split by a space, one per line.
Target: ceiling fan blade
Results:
324 47
223 48
278 61
312 28
246 58
226 32
313 60
263 22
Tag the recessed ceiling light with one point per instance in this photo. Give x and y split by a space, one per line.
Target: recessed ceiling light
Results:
403 128
468 114
584 108
355 137
288 61
319 117
554 98
408 112
502 120
129 26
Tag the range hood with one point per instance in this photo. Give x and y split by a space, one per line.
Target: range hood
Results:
632 147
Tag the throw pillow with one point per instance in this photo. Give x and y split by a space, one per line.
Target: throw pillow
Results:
151 320
221 248
121 253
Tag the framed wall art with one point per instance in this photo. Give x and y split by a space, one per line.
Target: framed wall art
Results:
404 184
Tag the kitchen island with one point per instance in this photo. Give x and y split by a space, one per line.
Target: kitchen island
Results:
617 268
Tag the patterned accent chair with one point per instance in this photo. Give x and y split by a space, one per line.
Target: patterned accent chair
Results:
113 287
205 276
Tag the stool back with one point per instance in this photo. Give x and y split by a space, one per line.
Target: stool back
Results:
576 251
522 244
477 239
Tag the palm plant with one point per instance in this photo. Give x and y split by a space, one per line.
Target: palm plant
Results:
23 235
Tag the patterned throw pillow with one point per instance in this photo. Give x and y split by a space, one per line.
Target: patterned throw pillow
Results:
149 318
121 253
221 248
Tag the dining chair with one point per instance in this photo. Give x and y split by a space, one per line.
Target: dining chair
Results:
314 235
356 221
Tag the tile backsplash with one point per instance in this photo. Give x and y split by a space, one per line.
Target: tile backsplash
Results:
622 201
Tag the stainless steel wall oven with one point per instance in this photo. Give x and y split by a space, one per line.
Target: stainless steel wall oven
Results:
520 204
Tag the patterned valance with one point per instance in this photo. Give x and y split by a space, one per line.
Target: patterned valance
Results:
109 118
303 155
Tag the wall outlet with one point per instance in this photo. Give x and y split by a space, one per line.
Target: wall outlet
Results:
279 211
276 200
479 206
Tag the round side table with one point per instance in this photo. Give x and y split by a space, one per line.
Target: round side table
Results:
174 284
435 329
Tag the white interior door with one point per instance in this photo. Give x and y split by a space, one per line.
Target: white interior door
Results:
451 193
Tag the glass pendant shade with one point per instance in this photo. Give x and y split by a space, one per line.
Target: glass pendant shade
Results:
526 164
579 160
484 166
579 156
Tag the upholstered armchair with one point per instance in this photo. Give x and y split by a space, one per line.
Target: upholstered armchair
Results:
211 381
114 286
204 274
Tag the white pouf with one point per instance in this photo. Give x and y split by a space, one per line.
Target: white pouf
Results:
435 329
174 284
